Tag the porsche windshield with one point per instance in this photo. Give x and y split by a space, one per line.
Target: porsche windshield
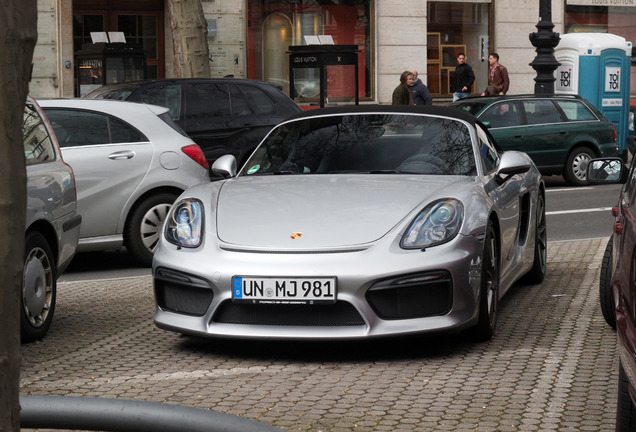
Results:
366 143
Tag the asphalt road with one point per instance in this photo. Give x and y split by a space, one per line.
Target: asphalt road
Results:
575 213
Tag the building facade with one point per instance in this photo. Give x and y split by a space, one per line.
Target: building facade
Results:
251 39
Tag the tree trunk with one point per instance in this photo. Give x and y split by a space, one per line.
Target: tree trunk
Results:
18 35
189 36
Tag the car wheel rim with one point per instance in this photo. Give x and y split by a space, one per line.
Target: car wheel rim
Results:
151 225
37 287
579 165
491 282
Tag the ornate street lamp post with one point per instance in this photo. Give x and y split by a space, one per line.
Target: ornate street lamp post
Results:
544 40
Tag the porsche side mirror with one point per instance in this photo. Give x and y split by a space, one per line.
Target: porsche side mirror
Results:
513 162
225 166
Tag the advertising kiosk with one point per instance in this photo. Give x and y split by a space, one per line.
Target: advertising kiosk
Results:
319 58
596 66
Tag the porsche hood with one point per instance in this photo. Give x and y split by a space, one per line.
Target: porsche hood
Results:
314 212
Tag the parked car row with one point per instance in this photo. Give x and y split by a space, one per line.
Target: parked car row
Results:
100 175
321 231
561 133
103 174
132 160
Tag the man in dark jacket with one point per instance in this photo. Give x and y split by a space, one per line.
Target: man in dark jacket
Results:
419 91
464 78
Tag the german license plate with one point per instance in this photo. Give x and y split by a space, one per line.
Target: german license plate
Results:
251 289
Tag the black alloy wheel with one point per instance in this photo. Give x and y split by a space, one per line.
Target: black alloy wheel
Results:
539 268
489 293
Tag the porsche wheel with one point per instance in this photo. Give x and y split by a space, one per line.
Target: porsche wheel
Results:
144 227
38 288
537 273
489 293
605 287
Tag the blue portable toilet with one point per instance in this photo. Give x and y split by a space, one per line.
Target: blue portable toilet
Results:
596 66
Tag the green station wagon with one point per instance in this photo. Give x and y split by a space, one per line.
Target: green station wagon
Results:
561 133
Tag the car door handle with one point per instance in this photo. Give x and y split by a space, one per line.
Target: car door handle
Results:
126 154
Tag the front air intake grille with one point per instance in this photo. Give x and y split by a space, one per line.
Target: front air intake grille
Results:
412 296
338 314
182 293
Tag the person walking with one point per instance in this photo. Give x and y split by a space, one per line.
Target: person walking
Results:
419 92
497 75
464 78
402 93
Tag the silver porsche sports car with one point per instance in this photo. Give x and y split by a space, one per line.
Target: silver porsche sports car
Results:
354 222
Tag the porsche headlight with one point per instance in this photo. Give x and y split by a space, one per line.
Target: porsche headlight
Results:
438 223
184 226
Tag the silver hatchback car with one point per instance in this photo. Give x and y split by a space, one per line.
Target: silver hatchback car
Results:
131 162
52 223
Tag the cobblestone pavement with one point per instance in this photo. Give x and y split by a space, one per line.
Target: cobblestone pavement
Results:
552 365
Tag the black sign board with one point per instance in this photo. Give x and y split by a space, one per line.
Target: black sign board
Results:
321 56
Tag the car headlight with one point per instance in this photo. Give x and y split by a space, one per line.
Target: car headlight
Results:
438 223
185 223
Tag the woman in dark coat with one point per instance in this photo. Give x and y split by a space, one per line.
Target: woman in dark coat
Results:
402 93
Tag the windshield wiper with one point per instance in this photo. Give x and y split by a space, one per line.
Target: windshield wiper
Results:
384 172
284 172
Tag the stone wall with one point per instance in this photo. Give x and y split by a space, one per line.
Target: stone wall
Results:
45 81
228 47
514 20
400 43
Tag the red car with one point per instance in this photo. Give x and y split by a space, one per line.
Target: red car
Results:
617 285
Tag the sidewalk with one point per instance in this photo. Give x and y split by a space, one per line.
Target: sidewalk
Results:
551 366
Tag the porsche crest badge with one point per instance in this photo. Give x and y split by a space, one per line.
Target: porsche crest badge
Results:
296 235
